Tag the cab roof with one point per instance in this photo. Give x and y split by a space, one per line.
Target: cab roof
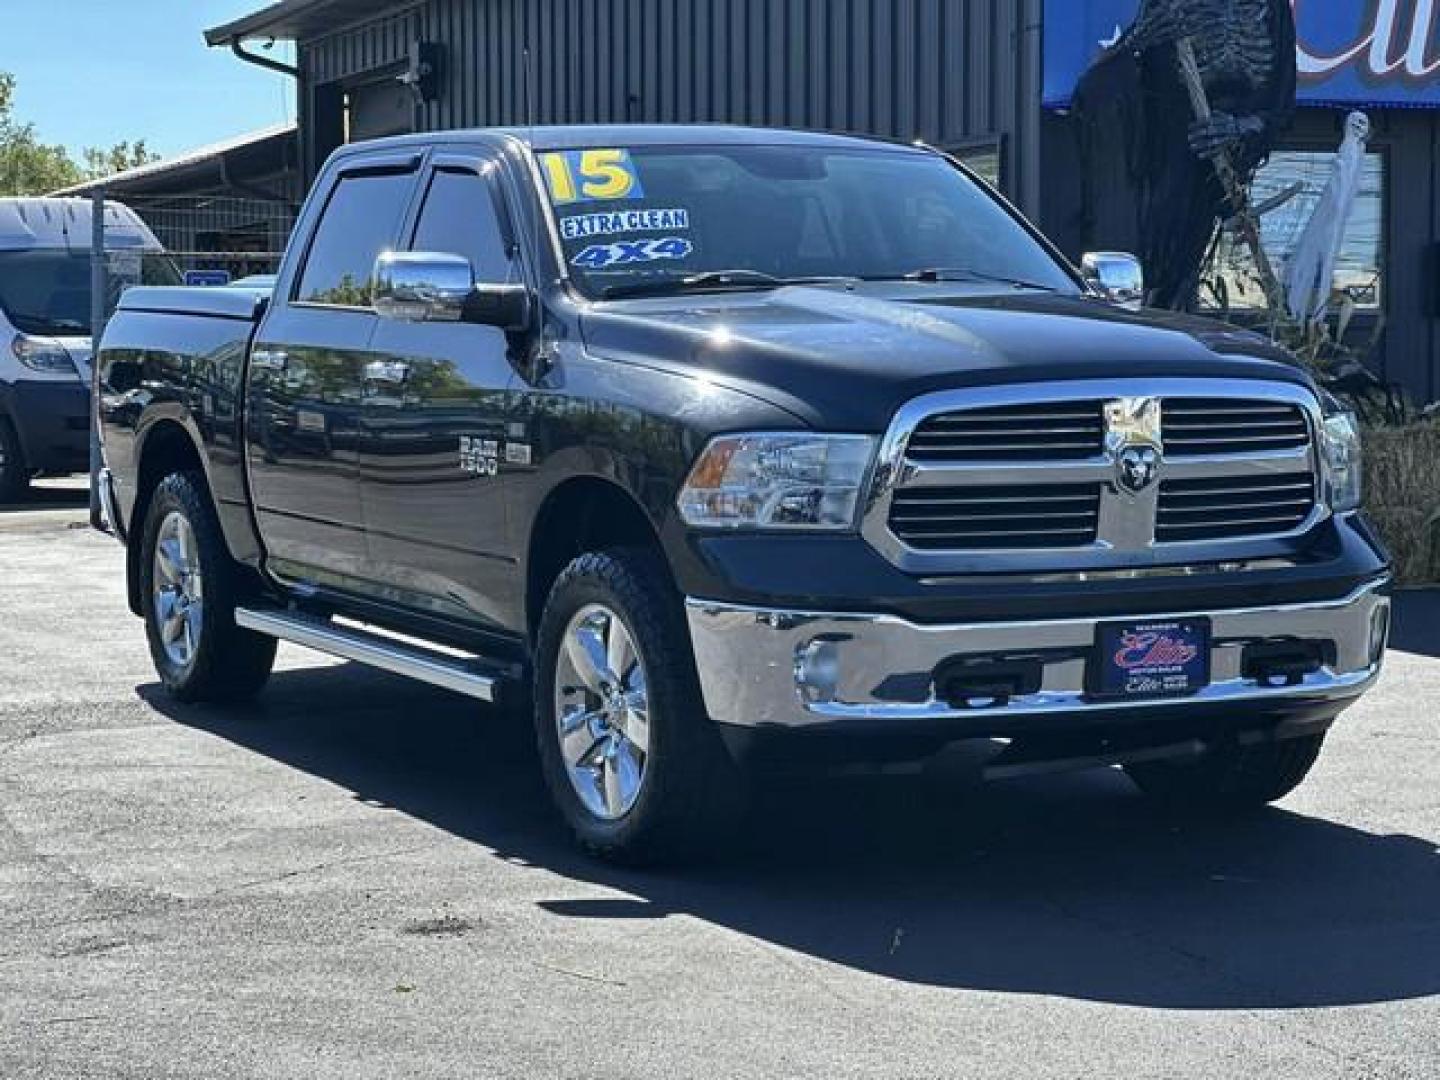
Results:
588 136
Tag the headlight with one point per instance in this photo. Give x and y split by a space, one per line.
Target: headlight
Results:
778 481
1340 448
40 354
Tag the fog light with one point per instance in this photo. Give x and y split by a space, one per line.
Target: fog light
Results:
1379 631
817 671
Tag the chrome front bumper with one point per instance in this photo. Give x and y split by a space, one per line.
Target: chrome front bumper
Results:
764 668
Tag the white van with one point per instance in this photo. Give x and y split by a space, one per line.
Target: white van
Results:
45 327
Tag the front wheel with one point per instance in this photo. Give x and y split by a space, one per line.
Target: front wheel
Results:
631 759
191 585
1229 778
14 473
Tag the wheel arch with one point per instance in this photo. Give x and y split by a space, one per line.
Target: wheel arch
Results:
166 447
583 513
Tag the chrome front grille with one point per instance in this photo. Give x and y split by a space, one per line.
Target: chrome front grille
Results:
1052 431
1022 518
1094 474
1193 426
1223 508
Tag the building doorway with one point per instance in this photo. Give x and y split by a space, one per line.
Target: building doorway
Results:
377 109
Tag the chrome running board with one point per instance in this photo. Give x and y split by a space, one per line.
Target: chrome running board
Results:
451 672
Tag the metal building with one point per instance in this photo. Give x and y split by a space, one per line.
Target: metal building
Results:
964 74
986 79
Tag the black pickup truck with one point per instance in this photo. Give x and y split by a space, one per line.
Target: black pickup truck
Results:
718 450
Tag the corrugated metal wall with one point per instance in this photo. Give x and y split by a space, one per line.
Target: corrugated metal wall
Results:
947 71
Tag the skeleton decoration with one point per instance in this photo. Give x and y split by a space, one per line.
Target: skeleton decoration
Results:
1149 176
1309 277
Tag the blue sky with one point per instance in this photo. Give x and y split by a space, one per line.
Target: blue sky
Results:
95 72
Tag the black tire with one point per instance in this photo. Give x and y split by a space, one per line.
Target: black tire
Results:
691 789
1229 779
14 473
227 663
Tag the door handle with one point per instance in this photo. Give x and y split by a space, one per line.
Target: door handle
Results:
270 360
392 372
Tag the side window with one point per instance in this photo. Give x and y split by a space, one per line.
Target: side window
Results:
459 218
360 222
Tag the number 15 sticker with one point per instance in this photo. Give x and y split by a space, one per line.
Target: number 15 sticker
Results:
586 175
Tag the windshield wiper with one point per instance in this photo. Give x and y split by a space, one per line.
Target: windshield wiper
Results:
713 281
962 273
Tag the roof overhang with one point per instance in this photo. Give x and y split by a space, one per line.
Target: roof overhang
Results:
269 150
299 20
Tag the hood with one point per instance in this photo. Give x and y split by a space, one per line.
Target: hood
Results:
847 359
81 350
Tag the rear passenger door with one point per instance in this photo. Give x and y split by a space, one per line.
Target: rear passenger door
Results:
434 469
307 380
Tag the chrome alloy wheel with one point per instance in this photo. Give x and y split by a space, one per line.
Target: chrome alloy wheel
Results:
602 710
178 590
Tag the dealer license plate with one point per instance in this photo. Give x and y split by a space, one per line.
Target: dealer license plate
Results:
1159 659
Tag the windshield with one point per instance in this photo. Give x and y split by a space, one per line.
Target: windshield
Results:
758 216
48 292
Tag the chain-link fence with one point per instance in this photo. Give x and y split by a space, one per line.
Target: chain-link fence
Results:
207 240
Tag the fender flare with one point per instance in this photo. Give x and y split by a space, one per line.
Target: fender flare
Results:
161 418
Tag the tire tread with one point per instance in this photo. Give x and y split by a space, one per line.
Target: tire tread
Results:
14 476
696 789
233 664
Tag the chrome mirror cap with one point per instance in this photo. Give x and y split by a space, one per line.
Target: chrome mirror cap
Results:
422 286
1118 276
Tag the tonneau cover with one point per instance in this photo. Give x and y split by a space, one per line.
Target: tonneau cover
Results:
226 303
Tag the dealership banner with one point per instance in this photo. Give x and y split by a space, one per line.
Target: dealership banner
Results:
1351 52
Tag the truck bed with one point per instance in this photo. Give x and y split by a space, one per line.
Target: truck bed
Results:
177 356
226 303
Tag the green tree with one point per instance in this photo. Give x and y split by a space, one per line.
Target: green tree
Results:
120 157
29 166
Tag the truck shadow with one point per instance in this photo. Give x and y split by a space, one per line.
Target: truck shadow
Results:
1062 886
1416 625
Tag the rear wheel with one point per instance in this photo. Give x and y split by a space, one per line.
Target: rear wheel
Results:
14 473
631 759
191 587
1230 778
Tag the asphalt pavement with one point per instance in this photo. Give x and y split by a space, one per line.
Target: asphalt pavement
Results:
359 877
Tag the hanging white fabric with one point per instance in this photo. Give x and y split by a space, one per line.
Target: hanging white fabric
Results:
1310 276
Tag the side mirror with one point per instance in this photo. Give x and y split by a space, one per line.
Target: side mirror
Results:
1118 276
419 286
422 286
508 307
